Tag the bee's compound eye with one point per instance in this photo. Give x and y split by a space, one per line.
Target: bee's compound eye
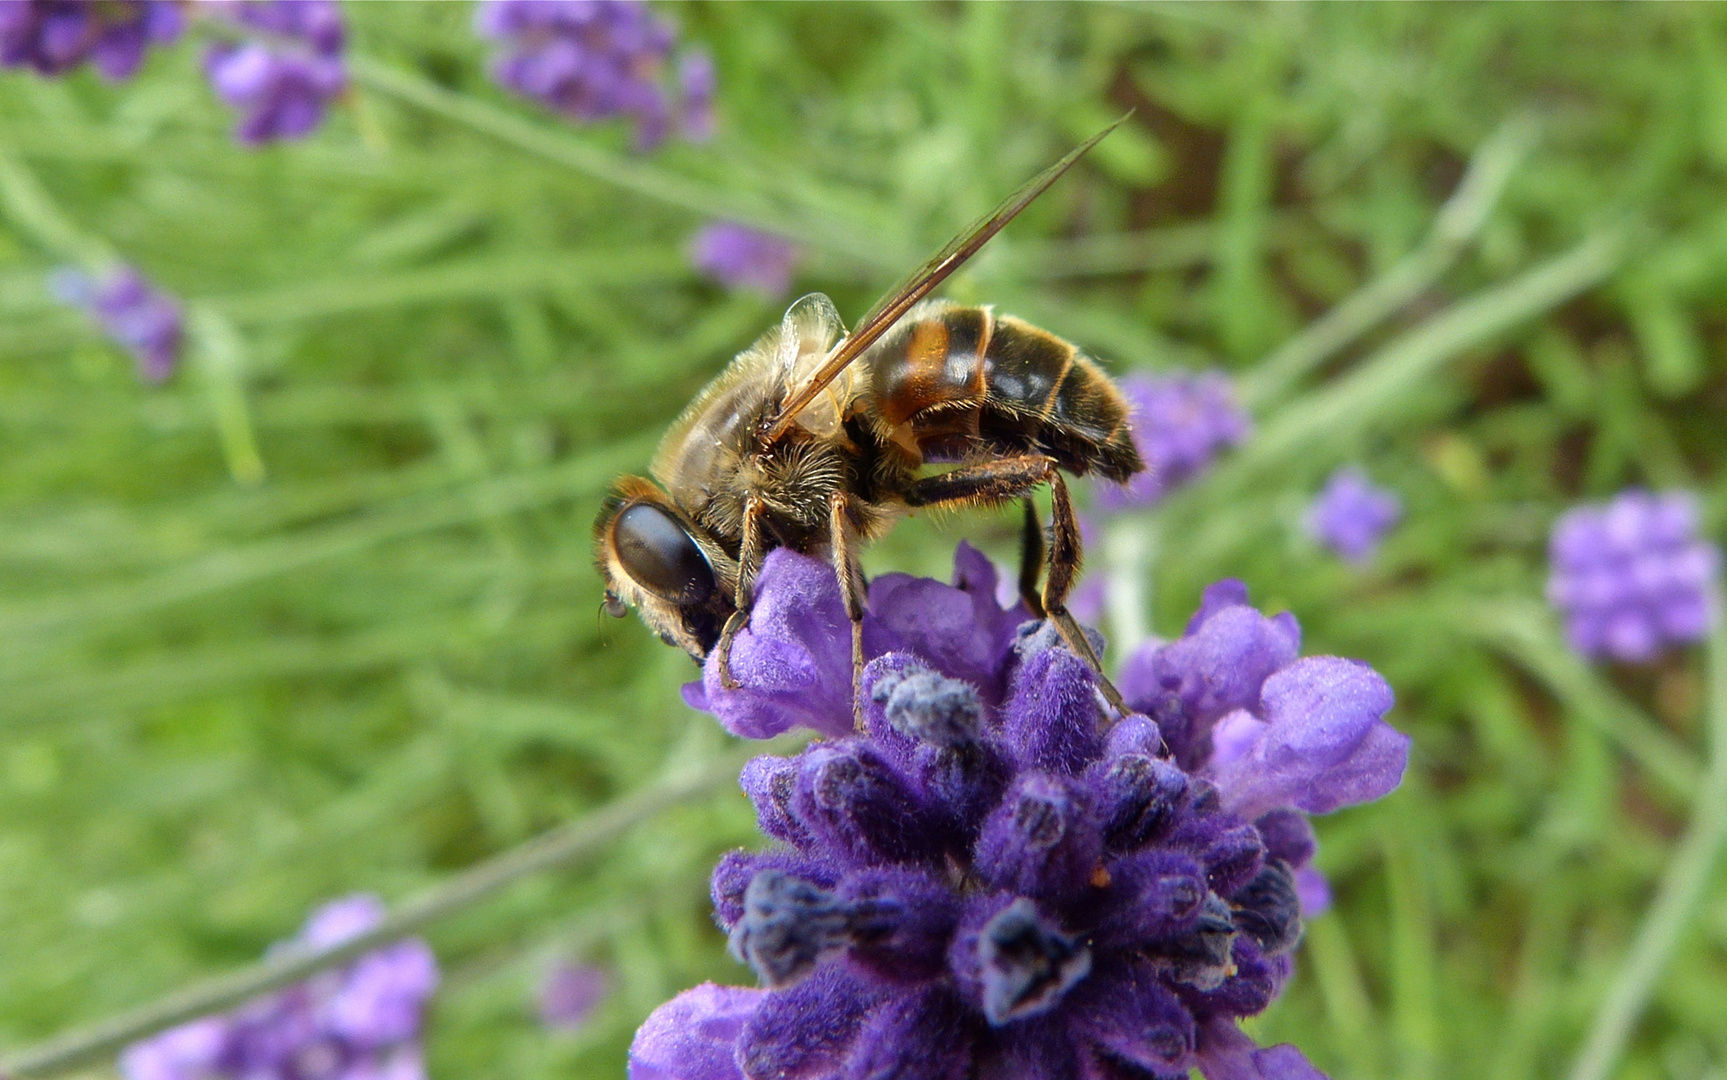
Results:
660 556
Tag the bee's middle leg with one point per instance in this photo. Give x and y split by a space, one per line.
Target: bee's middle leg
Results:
842 540
1000 479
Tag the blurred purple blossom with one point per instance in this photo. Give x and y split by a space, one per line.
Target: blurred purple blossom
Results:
358 1022
286 72
144 320
592 60
740 257
1130 890
570 993
1350 516
1631 576
54 36
1180 422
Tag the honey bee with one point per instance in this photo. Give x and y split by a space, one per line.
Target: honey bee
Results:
815 439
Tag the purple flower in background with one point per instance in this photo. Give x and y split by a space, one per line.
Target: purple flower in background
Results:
593 60
52 37
991 881
1631 576
698 82
359 1022
1180 422
739 257
283 77
144 320
570 993
1350 516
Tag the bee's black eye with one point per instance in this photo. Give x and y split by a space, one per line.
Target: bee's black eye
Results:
660 556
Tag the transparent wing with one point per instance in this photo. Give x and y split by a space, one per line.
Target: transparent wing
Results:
888 310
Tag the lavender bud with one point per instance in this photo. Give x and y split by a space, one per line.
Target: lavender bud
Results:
1200 955
770 783
1268 909
929 707
1139 799
1041 842
1027 964
853 799
789 926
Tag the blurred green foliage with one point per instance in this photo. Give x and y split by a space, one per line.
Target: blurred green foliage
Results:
446 321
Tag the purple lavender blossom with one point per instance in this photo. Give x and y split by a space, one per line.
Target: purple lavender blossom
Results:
145 321
52 37
570 993
1350 516
1631 576
359 1022
698 82
1180 422
740 257
990 881
283 77
593 60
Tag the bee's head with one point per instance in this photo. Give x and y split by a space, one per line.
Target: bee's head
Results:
657 561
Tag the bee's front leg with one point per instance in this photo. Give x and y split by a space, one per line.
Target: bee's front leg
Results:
723 648
743 597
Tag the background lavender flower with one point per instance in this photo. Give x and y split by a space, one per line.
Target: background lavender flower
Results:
54 36
359 1022
1180 422
595 59
1631 576
1121 907
1350 516
283 77
144 320
698 81
740 257
570 993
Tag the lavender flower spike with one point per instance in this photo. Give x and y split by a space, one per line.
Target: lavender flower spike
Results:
1180 422
52 37
145 321
592 60
359 1022
571 993
283 77
989 881
1631 577
739 257
1350 516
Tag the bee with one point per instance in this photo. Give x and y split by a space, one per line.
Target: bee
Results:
816 439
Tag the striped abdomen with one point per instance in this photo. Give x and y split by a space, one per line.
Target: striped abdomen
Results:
950 383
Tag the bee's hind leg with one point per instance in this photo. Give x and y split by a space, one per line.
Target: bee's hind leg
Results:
997 480
1065 555
843 540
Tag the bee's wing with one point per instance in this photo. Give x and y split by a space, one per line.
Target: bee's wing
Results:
888 310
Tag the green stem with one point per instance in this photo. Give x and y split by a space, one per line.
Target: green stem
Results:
1676 899
30 207
1525 632
545 852
1330 414
1129 552
220 356
1460 220
633 176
